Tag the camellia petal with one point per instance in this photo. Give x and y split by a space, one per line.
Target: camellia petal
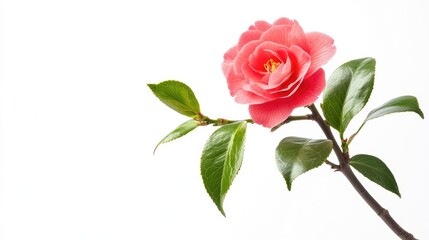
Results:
272 113
322 49
235 82
253 76
283 21
278 34
261 26
264 52
287 35
256 89
309 90
229 59
245 97
231 54
248 36
301 61
243 55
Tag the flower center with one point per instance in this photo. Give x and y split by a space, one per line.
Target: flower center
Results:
271 65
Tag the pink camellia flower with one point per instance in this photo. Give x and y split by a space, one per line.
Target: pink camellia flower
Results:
275 68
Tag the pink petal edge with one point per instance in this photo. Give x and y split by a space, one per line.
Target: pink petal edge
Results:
321 49
272 113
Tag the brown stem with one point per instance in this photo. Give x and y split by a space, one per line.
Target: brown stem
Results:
291 119
343 159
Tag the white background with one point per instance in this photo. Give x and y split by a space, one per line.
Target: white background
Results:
79 123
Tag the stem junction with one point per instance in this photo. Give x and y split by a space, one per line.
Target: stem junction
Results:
344 167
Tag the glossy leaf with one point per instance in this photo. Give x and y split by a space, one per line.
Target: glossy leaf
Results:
221 160
296 156
180 131
347 91
178 96
396 105
375 170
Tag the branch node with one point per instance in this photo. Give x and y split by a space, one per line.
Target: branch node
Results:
383 213
344 167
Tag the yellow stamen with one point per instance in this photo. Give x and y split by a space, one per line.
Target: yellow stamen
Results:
271 66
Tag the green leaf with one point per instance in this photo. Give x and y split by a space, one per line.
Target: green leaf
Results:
221 160
396 105
180 131
375 170
296 156
347 91
178 96
400 104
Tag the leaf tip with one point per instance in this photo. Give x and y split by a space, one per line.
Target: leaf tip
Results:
223 213
420 113
418 110
151 85
219 206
